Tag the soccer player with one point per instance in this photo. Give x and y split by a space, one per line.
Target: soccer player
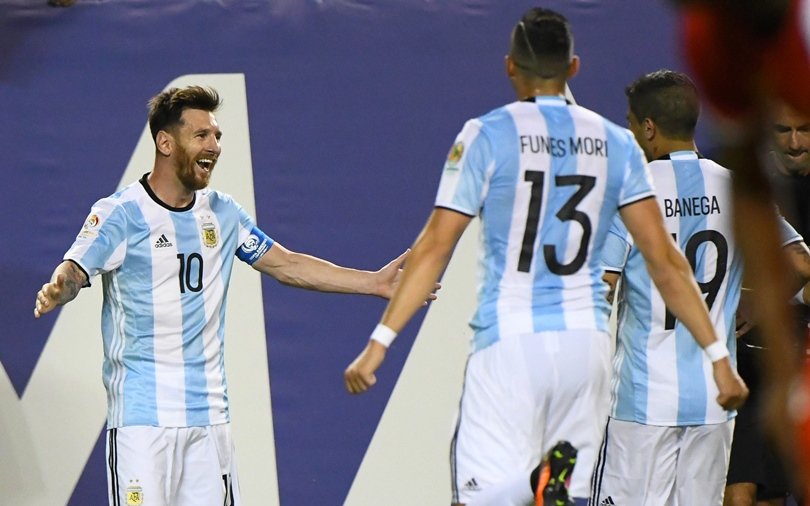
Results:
546 177
164 247
745 53
667 441
756 473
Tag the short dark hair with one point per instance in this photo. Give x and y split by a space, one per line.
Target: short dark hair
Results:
166 108
668 98
542 44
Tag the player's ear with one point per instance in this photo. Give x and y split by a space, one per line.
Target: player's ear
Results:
164 143
649 128
573 67
509 65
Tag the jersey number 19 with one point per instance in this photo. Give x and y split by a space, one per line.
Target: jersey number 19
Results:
712 286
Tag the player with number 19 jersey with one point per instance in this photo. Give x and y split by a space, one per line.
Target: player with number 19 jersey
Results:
165 274
661 374
546 177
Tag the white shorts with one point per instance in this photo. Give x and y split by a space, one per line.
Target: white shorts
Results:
656 466
171 466
521 396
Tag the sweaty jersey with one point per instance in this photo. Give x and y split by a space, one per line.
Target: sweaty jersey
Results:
546 178
661 374
165 274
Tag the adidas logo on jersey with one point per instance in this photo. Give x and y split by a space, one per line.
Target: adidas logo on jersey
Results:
607 501
472 485
162 242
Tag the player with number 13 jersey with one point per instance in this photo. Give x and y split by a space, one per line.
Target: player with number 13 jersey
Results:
568 171
546 177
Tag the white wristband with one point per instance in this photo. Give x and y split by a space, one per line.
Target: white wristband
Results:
716 351
383 335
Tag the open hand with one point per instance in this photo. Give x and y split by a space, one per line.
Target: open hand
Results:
49 295
390 275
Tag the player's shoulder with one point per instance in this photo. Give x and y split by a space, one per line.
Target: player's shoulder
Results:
483 126
494 119
132 192
612 130
709 169
217 199
708 165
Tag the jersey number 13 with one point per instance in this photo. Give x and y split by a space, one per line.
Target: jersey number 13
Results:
568 212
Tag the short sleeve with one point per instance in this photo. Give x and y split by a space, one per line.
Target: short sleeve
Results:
617 246
637 183
466 171
787 233
253 242
101 244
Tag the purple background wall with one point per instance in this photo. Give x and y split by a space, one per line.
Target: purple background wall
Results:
352 107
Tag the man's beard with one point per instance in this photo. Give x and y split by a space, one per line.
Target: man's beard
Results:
193 178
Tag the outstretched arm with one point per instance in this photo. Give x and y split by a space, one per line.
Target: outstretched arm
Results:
429 257
673 277
66 281
312 273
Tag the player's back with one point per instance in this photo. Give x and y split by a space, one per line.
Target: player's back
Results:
694 194
663 376
546 178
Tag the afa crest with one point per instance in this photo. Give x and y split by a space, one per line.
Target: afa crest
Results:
209 235
134 495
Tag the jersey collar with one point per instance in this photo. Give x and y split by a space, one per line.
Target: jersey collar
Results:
548 100
681 155
154 197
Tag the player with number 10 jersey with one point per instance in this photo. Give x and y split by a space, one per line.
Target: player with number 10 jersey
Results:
165 274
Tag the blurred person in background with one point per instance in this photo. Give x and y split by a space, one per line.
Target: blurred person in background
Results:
745 54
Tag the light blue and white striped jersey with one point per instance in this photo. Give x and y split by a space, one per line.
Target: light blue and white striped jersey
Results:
165 274
661 374
546 177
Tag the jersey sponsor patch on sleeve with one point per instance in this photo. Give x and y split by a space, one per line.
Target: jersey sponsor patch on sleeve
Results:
254 247
90 227
454 156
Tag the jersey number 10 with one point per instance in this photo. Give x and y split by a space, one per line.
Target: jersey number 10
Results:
189 265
